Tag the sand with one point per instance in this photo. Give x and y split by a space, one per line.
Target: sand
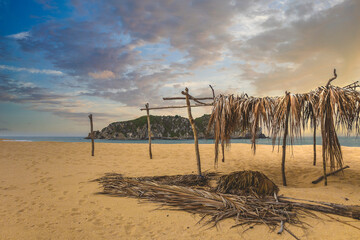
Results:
46 191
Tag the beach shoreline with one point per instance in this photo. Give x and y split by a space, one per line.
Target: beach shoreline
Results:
47 190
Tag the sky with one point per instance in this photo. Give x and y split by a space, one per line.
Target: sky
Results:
61 60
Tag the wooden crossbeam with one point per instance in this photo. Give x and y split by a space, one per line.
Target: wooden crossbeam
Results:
184 98
167 107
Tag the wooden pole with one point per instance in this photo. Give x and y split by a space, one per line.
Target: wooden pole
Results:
92 135
149 128
192 122
314 122
167 107
284 140
329 174
223 151
184 98
222 142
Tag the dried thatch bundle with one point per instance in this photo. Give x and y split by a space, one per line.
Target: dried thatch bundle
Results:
188 180
224 118
239 113
287 117
250 182
337 107
255 113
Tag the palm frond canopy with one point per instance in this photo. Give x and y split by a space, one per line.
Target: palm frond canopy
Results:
329 106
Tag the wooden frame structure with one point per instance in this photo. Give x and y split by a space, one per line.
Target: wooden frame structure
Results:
187 98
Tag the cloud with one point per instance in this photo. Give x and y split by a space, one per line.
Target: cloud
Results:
20 35
31 70
131 52
301 55
66 106
102 75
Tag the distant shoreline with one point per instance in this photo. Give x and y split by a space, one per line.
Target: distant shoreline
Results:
350 141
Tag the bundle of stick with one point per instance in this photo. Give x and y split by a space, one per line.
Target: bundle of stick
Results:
248 210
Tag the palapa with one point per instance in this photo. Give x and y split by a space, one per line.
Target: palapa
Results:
285 117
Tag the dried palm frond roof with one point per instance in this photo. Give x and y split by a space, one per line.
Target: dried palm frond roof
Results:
330 106
243 113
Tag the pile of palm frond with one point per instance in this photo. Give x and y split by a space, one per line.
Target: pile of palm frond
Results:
188 180
246 182
245 209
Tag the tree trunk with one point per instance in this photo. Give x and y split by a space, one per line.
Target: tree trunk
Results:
192 122
284 142
149 128
92 135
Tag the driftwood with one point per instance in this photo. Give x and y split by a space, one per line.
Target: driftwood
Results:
329 174
149 128
92 135
192 122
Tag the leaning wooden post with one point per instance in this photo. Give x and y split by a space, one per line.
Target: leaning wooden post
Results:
149 128
284 139
192 122
92 135
314 122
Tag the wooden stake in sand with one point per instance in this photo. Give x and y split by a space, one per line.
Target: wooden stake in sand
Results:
92 135
149 128
314 121
329 174
284 139
192 122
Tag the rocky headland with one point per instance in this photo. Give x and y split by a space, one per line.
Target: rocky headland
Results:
162 127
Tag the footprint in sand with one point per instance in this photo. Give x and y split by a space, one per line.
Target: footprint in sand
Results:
129 228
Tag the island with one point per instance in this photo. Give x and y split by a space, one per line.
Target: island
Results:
163 127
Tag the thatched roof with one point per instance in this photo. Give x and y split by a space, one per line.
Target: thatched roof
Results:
329 106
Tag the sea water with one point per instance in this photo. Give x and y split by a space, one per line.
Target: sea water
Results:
350 141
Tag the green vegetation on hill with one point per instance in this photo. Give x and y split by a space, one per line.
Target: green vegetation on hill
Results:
162 127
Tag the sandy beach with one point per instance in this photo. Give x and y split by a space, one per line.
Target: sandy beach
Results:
46 191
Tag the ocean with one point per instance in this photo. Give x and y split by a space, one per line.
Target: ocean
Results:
344 141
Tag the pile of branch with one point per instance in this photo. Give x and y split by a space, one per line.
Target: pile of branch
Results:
248 210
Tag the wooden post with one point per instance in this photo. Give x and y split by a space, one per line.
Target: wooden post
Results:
223 151
92 135
149 128
284 140
192 122
314 122
222 142
324 159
